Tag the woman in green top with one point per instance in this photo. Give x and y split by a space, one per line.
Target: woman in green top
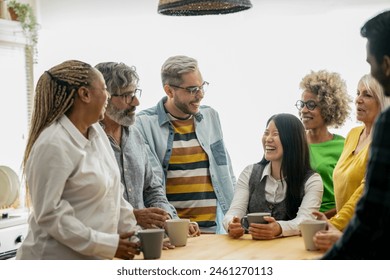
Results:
324 103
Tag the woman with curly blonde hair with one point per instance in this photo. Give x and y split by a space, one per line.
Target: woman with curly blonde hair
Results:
324 103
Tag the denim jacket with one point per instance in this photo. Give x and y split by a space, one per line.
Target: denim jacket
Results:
158 132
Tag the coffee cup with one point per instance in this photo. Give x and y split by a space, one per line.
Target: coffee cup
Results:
151 242
177 230
308 230
257 218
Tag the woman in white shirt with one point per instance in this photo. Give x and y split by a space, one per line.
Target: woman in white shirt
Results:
282 183
78 211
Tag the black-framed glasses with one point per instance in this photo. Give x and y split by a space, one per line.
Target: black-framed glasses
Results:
310 105
195 89
129 95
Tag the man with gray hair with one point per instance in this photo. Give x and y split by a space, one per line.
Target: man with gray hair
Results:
142 188
186 146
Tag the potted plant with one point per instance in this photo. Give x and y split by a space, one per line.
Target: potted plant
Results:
24 13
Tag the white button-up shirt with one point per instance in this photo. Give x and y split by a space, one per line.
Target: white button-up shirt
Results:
78 209
275 192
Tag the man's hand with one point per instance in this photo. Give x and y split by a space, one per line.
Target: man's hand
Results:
152 217
193 229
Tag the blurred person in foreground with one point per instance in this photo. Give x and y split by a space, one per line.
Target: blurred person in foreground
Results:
186 146
324 103
142 188
367 234
282 183
78 211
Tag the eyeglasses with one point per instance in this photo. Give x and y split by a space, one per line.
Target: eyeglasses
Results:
129 95
310 105
194 90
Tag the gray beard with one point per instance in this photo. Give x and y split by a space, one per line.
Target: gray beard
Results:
120 116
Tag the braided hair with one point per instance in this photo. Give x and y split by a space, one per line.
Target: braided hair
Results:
54 96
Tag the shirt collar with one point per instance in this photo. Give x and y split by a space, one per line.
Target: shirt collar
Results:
76 134
266 171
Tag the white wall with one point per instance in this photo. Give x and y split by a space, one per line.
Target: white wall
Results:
254 60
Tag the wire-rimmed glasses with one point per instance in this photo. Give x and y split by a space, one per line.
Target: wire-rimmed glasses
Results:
195 89
129 96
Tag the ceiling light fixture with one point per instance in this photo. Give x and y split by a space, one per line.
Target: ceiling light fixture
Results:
201 7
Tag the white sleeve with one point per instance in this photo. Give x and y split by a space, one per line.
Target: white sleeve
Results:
127 220
310 202
240 201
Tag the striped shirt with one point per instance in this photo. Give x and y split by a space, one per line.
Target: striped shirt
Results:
189 187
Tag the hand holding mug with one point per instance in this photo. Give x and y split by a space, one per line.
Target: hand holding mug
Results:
126 248
151 217
257 217
324 239
267 230
193 229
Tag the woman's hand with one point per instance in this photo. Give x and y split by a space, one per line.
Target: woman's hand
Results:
265 231
235 230
127 249
324 239
322 217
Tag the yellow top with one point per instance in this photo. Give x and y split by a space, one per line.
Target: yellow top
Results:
349 177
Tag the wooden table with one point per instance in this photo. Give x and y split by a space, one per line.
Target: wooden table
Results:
222 247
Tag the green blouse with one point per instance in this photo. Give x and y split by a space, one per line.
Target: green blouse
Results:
323 159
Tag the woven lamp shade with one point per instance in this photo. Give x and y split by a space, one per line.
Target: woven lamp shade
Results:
201 7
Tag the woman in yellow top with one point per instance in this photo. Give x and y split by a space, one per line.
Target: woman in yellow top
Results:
349 173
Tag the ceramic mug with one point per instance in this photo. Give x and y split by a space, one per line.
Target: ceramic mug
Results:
151 242
308 229
177 230
257 218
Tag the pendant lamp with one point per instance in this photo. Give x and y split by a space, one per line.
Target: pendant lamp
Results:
201 7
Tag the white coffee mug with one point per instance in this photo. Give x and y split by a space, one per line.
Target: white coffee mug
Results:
177 230
308 230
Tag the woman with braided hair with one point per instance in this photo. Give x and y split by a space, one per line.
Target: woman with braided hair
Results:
78 211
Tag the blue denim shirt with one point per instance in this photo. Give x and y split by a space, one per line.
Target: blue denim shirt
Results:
142 188
154 125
